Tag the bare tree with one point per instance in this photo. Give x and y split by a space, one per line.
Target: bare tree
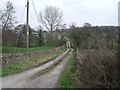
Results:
7 18
51 18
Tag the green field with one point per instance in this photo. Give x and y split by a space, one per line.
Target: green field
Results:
11 50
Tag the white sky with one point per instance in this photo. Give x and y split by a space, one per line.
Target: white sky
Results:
96 12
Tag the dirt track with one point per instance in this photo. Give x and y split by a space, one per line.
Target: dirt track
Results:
47 80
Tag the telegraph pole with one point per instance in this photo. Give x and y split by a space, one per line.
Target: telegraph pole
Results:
27 24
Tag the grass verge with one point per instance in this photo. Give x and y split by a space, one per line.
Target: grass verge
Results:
67 77
22 66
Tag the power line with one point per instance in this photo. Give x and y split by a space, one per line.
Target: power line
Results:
35 12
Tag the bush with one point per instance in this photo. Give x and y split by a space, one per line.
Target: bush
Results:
97 68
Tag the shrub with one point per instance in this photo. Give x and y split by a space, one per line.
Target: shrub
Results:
97 68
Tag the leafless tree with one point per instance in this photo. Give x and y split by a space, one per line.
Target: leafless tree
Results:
7 18
51 18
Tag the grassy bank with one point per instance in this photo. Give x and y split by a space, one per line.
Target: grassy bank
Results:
10 50
67 77
22 66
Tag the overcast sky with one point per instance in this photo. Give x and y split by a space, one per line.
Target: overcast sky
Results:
96 12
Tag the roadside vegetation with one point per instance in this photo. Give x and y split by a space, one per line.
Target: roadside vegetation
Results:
98 67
